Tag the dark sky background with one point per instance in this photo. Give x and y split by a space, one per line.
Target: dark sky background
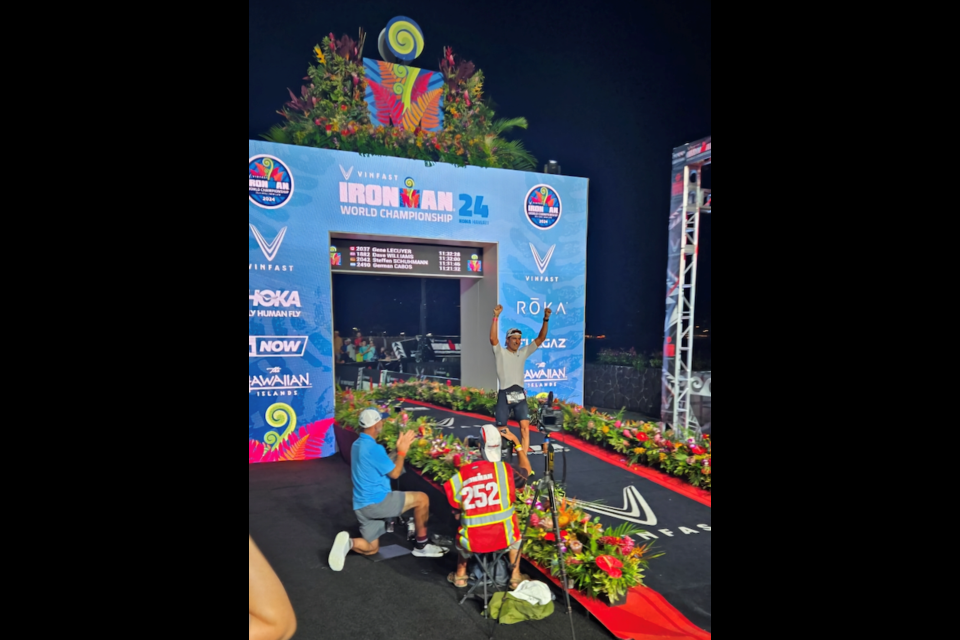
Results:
608 90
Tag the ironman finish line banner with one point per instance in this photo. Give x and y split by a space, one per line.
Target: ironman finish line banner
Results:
306 204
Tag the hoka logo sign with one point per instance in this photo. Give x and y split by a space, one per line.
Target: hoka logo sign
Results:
267 298
386 196
277 345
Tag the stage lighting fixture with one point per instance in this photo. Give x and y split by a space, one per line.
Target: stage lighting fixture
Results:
552 166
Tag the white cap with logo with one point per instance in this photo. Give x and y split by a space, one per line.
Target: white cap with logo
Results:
369 417
491 443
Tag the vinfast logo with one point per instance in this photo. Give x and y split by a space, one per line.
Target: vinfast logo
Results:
536 307
277 384
346 172
267 298
542 264
269 250
293 346
635 509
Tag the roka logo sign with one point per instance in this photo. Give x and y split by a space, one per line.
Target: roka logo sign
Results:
267 298
535 307
277 345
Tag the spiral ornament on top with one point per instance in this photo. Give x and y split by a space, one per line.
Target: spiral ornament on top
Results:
404 38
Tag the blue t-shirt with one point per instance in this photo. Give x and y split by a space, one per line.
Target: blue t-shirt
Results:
369 466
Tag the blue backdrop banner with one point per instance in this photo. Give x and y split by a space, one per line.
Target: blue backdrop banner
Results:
300 195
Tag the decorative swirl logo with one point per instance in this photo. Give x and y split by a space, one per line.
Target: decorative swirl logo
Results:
278 415
404 38
409 183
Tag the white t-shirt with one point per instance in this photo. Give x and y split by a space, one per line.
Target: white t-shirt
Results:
510 365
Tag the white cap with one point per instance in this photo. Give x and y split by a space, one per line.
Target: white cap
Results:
369 417
491 443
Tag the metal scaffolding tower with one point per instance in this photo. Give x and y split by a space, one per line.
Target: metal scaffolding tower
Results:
680 380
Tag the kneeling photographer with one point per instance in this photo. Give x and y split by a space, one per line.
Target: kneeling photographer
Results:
482 494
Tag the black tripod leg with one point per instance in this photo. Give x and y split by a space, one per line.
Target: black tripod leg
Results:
560 560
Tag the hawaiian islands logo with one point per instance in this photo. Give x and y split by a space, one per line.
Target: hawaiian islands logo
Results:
542 206
335 257
474 263
271 183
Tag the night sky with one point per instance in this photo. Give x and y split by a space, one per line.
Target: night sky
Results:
608 92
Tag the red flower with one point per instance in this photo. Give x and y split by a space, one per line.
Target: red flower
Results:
641 436
550 537
449 383
343 107
456 460
697 449
610 565
329 126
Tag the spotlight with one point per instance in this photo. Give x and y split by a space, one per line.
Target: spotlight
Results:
552 166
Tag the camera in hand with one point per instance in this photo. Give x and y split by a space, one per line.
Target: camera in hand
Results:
550 419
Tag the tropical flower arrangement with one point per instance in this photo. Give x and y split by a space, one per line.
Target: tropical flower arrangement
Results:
646 443
331 113
598 562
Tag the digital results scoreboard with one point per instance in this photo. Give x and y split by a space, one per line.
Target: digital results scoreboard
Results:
402 259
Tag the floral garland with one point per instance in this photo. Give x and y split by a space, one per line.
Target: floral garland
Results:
331 113
597 561
645 443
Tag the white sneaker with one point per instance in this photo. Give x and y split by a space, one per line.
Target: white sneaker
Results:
341 546
429 551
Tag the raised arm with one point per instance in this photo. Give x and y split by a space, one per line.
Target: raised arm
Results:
493 325
543 328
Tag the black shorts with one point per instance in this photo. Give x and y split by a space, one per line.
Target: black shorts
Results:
503 411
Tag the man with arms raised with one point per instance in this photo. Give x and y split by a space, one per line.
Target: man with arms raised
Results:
510 364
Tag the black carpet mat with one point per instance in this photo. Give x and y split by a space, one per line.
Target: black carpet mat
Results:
296 510
681 525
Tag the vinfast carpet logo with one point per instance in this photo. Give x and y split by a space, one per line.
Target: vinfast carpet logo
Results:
277 384
263 346
268 298
635 509
542 264
271 183
269 250
389 202
542 207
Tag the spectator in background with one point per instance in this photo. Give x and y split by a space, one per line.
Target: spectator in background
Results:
271 614
337 345
350 351
367 353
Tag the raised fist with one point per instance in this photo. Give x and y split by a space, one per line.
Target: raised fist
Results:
546 313
497 309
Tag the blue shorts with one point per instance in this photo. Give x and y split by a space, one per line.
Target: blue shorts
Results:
503 410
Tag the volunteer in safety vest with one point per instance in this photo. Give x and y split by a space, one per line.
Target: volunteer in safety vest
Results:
484 492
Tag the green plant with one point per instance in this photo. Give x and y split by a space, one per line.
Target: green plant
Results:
331 113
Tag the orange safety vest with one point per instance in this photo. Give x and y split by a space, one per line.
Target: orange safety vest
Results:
484 493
